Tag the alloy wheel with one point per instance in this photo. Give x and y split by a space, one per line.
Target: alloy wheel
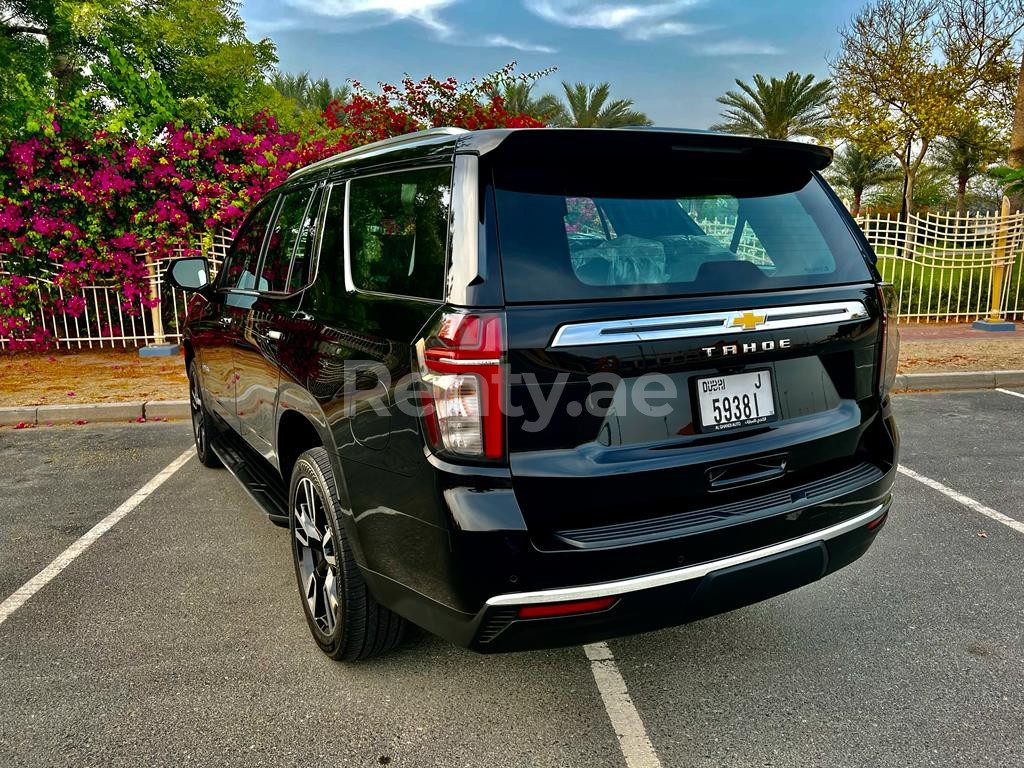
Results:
316 555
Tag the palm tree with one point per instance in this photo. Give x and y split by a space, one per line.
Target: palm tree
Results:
308 93
321 93
858 169
291 86
518 100
587 106
776 109
965 155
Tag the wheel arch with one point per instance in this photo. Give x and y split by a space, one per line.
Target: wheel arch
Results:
301 425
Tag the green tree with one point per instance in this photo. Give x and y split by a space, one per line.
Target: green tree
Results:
1015 157
200 50
197 48
588 106
967 154
910 71
53 36
857 169
776 109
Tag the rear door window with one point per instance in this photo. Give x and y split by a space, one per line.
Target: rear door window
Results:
571 233
398 231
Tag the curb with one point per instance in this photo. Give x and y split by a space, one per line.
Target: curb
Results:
916 382
33 415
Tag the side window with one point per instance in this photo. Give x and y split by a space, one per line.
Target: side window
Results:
301 271
398 231
245 251
283 236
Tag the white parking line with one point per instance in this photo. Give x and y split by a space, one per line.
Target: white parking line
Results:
967 501
65 558
629 728
1009 392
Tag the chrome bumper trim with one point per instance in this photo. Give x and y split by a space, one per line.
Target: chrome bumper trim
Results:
638 583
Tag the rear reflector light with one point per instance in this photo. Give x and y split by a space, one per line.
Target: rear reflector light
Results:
876 522
460 364
566 609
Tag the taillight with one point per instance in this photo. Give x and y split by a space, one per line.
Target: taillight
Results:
889 353
460 365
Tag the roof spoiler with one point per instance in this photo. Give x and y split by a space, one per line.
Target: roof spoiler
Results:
640 142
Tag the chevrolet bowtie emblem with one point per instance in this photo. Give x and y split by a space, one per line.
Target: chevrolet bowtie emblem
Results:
748 321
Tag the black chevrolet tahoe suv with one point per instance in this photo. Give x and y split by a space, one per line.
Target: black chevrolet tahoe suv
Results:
529 388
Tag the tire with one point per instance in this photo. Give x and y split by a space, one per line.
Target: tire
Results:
202 425
345 620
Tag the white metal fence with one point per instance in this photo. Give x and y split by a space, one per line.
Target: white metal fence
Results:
105 319
949 267
943 266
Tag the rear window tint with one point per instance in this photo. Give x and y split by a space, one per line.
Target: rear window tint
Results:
575 236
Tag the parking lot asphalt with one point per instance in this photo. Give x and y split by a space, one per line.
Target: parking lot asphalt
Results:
178 638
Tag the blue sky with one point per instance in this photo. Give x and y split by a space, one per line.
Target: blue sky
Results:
673 57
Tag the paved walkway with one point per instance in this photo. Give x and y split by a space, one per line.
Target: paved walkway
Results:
941 331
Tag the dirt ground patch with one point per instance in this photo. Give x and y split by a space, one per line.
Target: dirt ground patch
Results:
933 356
92 376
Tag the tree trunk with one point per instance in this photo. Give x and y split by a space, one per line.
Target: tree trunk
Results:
961 194
62 68
1015 159
908 199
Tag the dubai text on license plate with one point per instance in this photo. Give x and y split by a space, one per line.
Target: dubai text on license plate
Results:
736 400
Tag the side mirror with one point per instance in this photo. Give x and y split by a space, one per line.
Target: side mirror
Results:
189 274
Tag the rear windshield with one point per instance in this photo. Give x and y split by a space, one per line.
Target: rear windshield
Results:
575 232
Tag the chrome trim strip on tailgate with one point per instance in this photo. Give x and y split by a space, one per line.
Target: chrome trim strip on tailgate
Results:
707 324
638 583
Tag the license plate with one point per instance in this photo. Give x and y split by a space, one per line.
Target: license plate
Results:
737 400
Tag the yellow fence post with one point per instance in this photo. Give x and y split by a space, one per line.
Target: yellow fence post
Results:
1000 256
154 295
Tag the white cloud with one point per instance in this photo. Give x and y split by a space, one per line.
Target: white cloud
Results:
363 13
739 48
500 41
664 29
421 11
636 19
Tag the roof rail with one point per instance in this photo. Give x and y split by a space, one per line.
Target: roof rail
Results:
394 141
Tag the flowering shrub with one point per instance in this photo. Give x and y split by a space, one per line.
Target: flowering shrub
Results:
85 210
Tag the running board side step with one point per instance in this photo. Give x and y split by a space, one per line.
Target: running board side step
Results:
258 478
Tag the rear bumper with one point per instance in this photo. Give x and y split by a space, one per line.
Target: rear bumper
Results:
646 602
492 564
675 597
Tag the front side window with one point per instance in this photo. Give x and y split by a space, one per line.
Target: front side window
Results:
398 231
240 272
281 243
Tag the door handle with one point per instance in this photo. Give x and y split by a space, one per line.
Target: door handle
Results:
275 335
